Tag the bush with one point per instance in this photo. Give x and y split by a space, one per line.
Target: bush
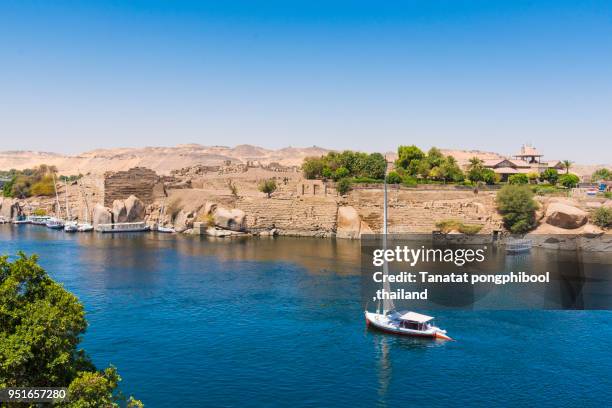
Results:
341 172
409 181
533 176
602 217
516 205
518 179
447 226
394 178
268 187
343 186
550 175
40 212
364 180
569 180
601 174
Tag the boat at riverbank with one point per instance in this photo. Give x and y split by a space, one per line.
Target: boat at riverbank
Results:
123 227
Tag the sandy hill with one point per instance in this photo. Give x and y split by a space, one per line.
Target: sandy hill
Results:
160 159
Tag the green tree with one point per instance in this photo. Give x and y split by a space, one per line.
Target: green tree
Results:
41 327
268 187
312 167
569 180
567 164
343 186
341 172
601 174
406 154
519 178
532 176
550 175
394 178
516 205
435 158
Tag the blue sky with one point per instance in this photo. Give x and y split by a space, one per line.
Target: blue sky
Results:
367 75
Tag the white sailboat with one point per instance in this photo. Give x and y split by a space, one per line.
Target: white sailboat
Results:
84 226
55 222
70 225
389 320
161 228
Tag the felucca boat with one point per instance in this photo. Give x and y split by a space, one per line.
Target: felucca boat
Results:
389 320
54 222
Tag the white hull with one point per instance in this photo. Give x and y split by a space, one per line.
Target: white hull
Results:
71 226
85 227
388 324
166 230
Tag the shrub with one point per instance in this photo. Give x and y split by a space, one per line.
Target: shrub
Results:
232 188
518 179
569 180
516 205
44 187
409 181
394 178
602 217
447 226
343 186
550 175
268 187
341 172
40 212
533 176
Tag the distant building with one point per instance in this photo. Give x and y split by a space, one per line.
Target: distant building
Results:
528 160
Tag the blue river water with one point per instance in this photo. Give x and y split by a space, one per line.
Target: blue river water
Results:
191 322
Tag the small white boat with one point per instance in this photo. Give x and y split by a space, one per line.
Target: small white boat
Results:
55 223
518 246
85 227
38 219
167 230
123 227
71 226
3 220
406 324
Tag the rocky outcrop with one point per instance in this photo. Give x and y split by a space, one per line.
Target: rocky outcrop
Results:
135 209
183 221
565 216
233 219
349 224
101 215
119 211
10 208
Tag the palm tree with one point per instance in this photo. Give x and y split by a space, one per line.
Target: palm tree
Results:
567 164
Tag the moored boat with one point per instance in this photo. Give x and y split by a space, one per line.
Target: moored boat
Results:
55 223
518 246
85 227
123 227
71 226
167 230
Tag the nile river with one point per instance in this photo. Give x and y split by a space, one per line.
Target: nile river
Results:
266 322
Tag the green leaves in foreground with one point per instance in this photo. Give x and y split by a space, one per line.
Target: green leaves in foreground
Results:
41 325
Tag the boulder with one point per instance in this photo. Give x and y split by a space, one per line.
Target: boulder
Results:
349 224
10 208
234 219
119 211
565 216
591 231
222 233
183 221
135 209
101 215
209 208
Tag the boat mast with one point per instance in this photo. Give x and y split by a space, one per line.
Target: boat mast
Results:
66 199
84 199
388 305
59 208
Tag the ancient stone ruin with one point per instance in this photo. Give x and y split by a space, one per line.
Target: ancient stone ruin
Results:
138 181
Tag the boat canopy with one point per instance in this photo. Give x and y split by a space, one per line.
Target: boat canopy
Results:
415 317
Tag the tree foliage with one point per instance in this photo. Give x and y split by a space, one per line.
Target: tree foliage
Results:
550 175
41 326
394 178
343 186
516 205
346 164
601 174
30 182
569 180
519 178
434 166
268 187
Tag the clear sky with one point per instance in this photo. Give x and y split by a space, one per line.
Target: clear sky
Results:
366 75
